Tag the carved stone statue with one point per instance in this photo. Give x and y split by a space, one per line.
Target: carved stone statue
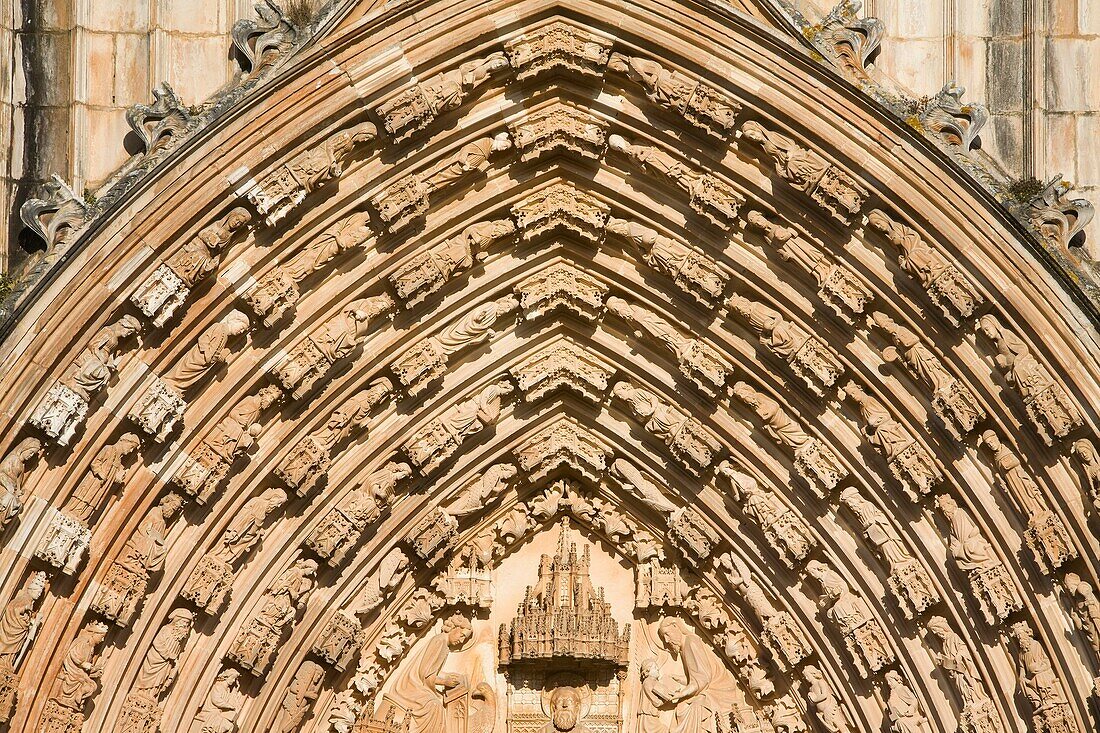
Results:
171 283
903 707
78 677
256 643
13 476
780 633
824 702
140 710
806 171
692 271
952 401
948 288
276 194
1090 464
710 197
1041 685
708 690
1047 404
209 584
849 613
278 290
430 270
426 361
65 405
416 688
335 536
163 403
990 581
68 534
219 712
1046 535
634 481
909 462
807 357
407 199
204 470
698 361
122 589
782 526
390 573
813 461
836 285
299 697
978 714
18 625
1086 610
311 359
908 580
693 445
416 107
701 104
309 460
483 491
438 440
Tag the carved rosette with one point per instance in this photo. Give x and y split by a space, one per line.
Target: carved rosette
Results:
562 286
64 543
563 443
699 103
558 47
339 642
60 413
158 409
560 129
563 365
561 206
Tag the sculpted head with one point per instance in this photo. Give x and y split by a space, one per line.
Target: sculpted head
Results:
237 217
647 669
36 585
501 142
746 394
990 326
947 505
938 625
127 443
181 619
878 220
1085 450
753 131
235 323
618 142
565 708
459 631
170 505
127 326
671 633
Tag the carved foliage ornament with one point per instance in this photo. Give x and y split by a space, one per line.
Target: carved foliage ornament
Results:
563 364
559 129
558 47
561 206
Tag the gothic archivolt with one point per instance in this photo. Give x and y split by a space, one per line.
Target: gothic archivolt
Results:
551 372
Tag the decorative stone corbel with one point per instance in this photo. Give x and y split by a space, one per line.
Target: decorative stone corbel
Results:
560 129
57 215
954 121
561 206
162 124
558 47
